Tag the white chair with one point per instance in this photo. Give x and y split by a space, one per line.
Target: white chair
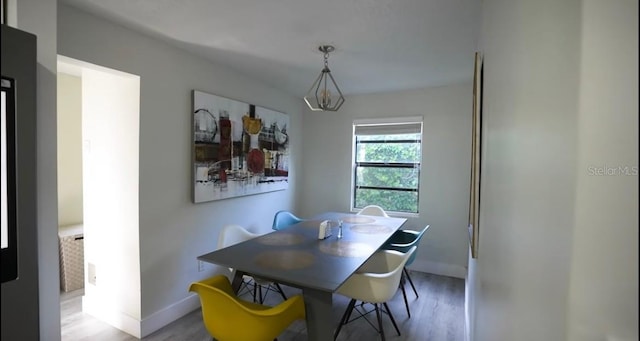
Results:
404 240
234 234
374 210
376 282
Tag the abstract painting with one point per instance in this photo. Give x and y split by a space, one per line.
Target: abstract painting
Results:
238 148
476 149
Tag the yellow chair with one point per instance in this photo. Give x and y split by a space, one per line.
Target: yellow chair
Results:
228 318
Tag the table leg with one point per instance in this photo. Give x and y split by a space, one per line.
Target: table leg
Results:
237 280
318 305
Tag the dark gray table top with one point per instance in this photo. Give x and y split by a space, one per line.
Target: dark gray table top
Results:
296 257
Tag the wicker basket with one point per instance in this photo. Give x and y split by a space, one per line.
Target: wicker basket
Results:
71 242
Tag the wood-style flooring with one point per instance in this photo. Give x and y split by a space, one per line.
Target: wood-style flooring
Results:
437 315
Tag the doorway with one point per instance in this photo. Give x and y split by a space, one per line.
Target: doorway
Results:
98 173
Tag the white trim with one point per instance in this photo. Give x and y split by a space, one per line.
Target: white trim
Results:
352 203
148 325
169 314
390 120
468 305
392 213
381 121
470 290
108 314
441 269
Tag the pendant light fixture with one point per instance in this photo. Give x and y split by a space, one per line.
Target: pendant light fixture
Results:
324 94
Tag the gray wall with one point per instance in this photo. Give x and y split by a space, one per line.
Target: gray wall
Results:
173 230
444 179
39 17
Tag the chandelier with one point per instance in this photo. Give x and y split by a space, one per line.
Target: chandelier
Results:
324 94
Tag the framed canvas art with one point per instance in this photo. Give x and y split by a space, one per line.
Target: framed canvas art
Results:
476 148
238 148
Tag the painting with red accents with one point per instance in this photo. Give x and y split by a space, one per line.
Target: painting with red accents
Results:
238 148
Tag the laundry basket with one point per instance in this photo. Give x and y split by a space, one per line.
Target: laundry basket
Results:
71 242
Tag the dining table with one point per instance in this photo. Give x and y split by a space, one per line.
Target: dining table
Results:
296 256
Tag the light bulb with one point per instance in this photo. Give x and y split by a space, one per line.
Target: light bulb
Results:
326 97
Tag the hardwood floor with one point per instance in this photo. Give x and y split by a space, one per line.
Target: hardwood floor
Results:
437 315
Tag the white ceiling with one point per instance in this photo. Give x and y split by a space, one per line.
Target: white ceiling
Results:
381 45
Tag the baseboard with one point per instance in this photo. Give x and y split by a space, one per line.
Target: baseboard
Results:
111 316
148 325
467 310
169 314
471 289
441 269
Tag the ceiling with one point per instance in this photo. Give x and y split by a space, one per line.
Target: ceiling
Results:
381 45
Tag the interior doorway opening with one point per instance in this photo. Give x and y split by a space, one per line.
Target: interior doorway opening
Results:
98 174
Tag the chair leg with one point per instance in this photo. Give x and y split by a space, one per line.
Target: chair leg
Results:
404 295
379 316
391 317
284 297
411 282
260 293
246 285
351 311
345 317
255 292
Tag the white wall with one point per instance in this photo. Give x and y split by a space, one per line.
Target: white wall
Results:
558 247
172 230
110 135
603 292
528 181
444 179
69 149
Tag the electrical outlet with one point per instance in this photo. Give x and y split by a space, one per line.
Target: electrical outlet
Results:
200 266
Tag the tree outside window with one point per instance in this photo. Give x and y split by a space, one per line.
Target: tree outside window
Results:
387 165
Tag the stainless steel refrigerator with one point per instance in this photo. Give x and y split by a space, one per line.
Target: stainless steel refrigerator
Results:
18 196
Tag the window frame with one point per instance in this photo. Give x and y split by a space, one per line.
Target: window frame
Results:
389 123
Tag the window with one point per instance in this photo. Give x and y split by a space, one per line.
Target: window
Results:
386 164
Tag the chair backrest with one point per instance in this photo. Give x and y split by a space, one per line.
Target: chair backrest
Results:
227 318
283 219
233 234
403 240
373 210
378 279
